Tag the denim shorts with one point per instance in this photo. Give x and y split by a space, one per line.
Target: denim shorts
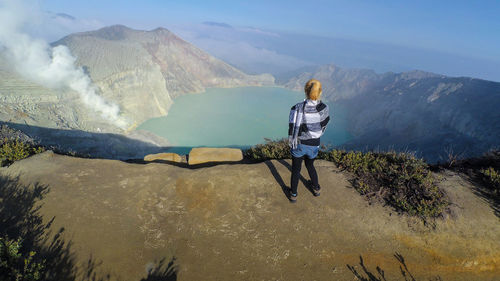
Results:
305 150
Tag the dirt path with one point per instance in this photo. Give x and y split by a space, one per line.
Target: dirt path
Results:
233 222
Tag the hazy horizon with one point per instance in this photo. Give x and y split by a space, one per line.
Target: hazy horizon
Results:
451 38
455 38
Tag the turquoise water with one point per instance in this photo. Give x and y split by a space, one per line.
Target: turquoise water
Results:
235 117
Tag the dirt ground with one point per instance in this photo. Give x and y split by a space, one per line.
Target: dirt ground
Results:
233 222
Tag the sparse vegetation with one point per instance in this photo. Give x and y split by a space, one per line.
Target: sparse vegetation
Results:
14 150
492 179
278 149
399 179
452 157
14 146
18 265
484 172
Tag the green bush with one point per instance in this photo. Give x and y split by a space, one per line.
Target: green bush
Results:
14 150
492 178
400 179
16 266
278 149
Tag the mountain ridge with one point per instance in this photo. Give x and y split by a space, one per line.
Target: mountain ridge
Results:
420 111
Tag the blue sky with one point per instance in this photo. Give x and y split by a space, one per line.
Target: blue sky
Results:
468 28
455 38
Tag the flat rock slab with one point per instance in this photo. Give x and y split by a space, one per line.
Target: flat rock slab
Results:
233 222
174 157
202 155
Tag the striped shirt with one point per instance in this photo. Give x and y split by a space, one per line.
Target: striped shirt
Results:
307 122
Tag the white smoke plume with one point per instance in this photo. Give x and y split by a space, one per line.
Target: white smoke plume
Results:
36 60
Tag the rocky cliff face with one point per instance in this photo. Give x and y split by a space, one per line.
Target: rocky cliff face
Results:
420 111
143 71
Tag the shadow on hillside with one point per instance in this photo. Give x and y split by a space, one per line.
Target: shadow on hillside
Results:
470 171
493 201
89 144
482 190
20 218
364 274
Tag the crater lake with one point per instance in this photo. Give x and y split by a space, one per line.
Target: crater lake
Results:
236 117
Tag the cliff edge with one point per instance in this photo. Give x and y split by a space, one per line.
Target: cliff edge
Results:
233 222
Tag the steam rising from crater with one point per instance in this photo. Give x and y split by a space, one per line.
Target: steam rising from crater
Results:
36 60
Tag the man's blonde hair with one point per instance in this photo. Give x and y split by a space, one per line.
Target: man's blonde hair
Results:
313 89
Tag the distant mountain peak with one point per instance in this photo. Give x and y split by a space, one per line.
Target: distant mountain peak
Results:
161 30
119 32
116 27
419 74
114 32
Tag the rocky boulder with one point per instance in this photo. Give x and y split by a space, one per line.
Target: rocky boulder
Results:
174 157
207 154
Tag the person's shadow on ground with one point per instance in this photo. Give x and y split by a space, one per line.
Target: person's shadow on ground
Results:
285 188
